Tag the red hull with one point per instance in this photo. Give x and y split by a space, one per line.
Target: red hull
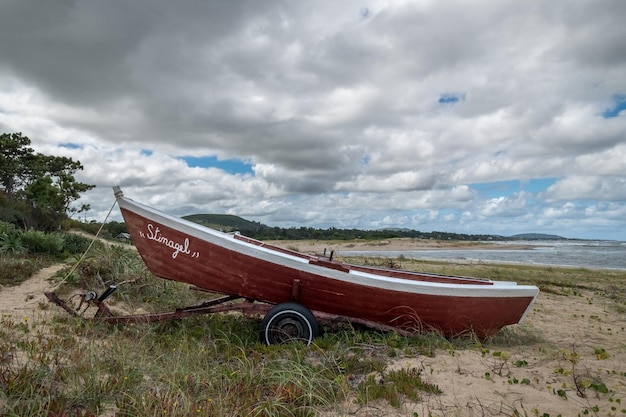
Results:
182 251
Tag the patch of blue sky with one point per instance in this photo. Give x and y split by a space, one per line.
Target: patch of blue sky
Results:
447 212
70 145
451 98
538 185
232 166
619 105
146 152
506 188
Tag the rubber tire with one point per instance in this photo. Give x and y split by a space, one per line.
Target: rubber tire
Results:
288 322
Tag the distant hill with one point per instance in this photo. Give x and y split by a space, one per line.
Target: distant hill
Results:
396 229
536 236
224 222
257 230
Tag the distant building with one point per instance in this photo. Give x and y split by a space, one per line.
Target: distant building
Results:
124 237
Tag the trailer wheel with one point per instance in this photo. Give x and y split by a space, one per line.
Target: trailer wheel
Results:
288 322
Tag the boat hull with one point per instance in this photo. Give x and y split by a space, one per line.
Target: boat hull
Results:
182 251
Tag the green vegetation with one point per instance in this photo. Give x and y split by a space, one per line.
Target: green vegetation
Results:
37 190
22 253
395 387
226 222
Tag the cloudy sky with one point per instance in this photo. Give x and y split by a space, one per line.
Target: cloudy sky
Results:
485 116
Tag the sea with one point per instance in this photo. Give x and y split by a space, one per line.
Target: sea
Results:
592 254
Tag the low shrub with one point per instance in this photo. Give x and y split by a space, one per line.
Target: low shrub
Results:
6 228
43 243
75 244
12 243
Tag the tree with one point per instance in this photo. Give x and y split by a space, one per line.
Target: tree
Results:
115 228
46 183
15 158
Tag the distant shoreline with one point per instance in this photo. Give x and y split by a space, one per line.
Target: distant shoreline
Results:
393 245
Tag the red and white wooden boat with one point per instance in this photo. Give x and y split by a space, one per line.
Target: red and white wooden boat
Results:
302 287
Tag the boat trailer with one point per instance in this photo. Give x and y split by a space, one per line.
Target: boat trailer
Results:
282 323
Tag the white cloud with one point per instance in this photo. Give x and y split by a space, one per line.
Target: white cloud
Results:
588 188
515 205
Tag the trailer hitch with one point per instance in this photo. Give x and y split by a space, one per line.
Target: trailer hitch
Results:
107 293
86 299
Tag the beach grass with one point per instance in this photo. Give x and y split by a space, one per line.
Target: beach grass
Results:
215 365
205 366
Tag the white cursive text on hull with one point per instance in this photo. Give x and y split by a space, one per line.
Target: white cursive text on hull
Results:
154 233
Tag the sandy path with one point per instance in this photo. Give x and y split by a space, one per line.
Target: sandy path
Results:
28 295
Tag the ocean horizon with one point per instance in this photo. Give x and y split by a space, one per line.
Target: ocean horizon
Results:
593 254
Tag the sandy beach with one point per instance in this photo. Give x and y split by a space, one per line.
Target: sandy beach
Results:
568 359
